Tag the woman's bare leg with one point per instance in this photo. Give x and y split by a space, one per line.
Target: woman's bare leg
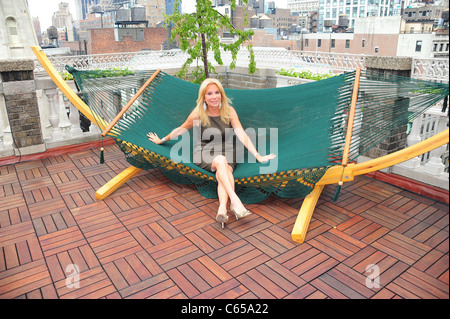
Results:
225 179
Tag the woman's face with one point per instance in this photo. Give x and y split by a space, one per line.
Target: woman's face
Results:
212 95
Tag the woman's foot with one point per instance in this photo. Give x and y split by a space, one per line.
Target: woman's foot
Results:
222 216
243 212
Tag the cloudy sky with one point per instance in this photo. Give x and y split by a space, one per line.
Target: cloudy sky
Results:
44 9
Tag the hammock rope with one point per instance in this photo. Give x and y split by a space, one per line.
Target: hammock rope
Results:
305 125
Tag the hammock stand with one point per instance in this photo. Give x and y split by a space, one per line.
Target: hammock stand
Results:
338 174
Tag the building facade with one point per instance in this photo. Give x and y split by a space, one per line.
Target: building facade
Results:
382 36
330 10
16 30
302 7
63 21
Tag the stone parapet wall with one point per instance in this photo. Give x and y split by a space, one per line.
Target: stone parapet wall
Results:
400 66
238 78
389 65
18 88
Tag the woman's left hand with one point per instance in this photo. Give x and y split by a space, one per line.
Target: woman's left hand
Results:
265 158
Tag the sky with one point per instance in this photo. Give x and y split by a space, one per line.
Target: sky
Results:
44 9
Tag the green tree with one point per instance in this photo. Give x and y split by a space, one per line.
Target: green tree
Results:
197 34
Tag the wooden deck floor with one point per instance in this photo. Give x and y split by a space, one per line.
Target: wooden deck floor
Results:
156 239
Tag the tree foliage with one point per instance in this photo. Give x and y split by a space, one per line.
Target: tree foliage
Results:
197 34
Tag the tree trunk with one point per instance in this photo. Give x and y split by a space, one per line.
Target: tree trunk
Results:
205 56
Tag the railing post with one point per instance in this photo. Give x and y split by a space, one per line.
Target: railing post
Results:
64 123
74 118
434 166
413 138
53 118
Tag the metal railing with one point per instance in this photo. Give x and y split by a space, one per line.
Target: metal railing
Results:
264 57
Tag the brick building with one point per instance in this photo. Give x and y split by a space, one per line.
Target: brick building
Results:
129 40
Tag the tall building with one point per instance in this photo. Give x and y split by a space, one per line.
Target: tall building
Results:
155 10
330 10
307 11
63 21
170 6
82 8
16 30
303 7
37 29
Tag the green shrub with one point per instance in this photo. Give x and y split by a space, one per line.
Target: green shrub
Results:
305 74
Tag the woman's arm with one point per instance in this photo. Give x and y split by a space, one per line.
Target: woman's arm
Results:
186 126
245 139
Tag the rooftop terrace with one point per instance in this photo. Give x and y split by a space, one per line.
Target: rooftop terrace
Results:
156 239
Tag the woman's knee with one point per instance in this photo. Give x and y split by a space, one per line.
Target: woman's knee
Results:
220 160
220 163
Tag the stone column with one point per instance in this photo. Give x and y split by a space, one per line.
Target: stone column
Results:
400 66
22 105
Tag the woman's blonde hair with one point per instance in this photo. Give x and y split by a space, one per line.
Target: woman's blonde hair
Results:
226 102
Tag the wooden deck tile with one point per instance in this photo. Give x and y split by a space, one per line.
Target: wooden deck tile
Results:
23 279
413 284
155 239
93 284
401 247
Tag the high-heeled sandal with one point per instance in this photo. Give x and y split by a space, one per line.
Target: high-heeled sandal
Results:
241 214
222 218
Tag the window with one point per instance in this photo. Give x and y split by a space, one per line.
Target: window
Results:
363 44
306 43
362 12
347 44
376 49
319 43
333 43
418 45
11 25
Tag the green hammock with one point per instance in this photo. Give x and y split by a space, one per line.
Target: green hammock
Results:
305 125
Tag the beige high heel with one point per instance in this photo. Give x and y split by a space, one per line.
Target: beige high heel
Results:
222 218
241 214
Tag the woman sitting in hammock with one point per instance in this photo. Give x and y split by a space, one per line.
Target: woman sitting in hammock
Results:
215 149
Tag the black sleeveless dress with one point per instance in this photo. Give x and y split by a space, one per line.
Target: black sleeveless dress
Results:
217 139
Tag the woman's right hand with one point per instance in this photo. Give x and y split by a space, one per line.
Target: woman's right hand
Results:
154 138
